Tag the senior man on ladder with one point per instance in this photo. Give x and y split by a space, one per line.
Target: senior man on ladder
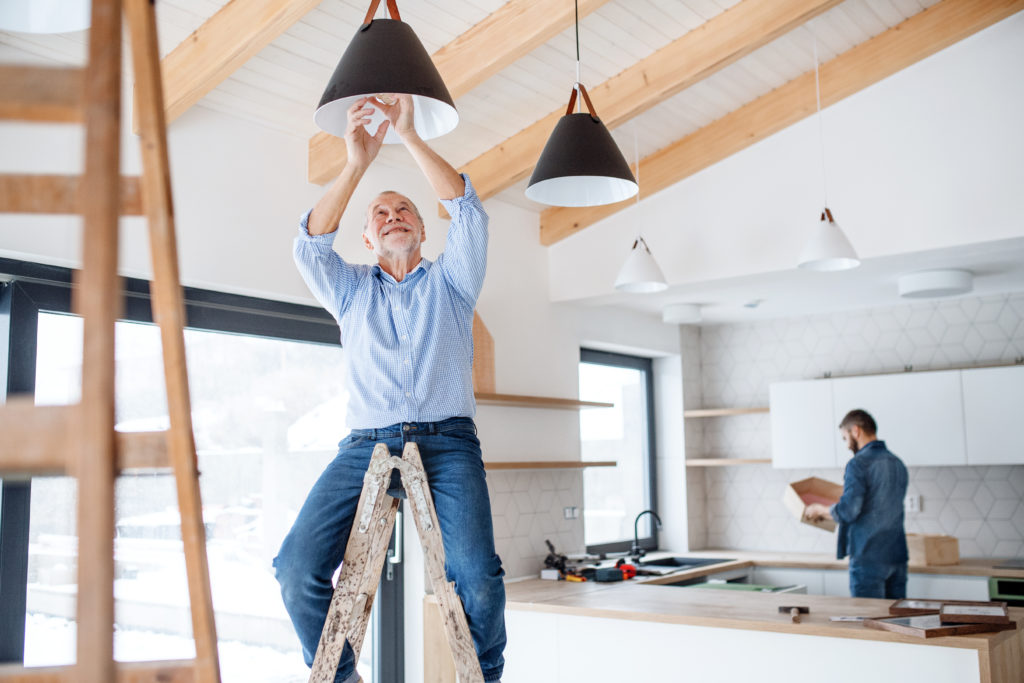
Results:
406 327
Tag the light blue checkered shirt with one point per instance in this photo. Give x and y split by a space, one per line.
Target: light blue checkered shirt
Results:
409 344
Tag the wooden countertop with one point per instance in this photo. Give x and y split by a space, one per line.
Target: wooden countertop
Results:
633 600
969 566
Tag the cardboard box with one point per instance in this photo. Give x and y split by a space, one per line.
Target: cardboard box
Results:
800 494
933 549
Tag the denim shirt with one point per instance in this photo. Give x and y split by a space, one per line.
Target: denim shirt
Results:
870 511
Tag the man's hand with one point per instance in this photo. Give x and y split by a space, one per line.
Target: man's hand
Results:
816 512
400 115
363 147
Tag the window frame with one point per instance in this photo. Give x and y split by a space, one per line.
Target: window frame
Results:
645 365
28 288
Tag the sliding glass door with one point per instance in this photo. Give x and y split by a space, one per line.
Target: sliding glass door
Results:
268 409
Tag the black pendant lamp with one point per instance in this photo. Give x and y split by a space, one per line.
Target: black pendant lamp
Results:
386 57
581 165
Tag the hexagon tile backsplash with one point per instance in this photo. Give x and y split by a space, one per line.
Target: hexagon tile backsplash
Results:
741 507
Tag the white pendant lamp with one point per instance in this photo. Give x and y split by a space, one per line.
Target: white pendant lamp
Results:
828 249
383 58
640 273
44 16
581 164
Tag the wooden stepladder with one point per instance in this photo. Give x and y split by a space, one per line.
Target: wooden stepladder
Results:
364 560
80 440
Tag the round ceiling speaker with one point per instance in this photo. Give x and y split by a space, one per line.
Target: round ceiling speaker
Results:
935 283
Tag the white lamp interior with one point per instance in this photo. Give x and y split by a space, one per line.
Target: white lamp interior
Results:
828 249
433 118
581 190
640 273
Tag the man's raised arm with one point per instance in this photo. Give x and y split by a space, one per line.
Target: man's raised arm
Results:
445 180
362 150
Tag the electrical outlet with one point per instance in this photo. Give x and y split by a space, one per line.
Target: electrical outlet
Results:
571 512
912 503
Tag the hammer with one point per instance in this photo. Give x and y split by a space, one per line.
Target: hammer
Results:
794 611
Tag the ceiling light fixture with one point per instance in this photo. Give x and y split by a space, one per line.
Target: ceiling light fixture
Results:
580 164
640 273
45 16
681 314
386 57
828 249
935 283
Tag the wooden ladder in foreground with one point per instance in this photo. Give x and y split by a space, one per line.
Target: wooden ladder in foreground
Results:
79 440
364 559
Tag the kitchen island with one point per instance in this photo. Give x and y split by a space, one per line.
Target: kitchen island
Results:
642 631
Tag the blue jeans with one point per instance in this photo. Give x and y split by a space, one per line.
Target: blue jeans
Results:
314 548
872 580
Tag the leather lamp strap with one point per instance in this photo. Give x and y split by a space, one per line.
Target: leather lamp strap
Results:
392 10
586 98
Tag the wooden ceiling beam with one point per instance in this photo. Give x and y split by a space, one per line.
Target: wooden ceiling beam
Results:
685 61
514 30
225 42
920 36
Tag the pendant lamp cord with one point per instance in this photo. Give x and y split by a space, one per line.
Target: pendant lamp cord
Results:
821 127
576 4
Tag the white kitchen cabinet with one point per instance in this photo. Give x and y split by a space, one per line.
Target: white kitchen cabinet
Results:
804 433
920 415
993 407
947 587
786 576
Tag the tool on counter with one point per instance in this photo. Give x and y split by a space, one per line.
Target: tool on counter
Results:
554 560
628 570
794 611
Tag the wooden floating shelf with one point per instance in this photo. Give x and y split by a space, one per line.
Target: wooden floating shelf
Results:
537 402
726 462
547 464
722 412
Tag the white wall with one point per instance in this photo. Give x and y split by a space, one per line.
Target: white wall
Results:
926 159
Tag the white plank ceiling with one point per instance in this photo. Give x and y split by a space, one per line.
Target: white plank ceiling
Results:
281 86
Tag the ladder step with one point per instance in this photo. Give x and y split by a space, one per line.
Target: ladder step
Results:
37 439
41 93
168 671
59 194
40 440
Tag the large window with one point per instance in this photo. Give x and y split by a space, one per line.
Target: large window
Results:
268 412
613 497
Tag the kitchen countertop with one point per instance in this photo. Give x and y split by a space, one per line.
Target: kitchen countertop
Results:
969 566
633 600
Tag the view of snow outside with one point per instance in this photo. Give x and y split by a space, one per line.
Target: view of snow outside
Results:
267 416
613 496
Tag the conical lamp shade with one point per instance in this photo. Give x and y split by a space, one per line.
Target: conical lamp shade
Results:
828 248
581 165
640 273
384 57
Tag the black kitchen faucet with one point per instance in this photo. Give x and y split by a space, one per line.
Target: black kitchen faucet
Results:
636 552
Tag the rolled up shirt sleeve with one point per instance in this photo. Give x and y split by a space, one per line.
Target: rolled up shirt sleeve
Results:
330 279
464 261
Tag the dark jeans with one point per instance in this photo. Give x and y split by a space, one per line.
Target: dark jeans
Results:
872 580
315 546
